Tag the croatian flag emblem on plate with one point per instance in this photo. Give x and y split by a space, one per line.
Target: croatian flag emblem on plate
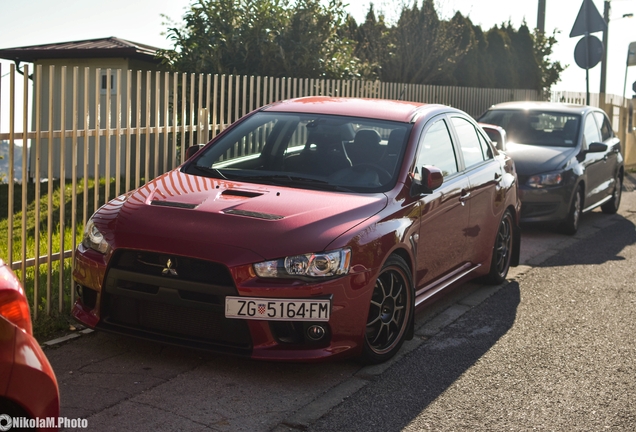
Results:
261 308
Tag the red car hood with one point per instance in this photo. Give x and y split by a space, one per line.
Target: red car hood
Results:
231 222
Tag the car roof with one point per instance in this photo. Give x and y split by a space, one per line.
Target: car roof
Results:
543 106
382 109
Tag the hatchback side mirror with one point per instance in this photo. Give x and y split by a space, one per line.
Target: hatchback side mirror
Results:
192 150
496 134
597 147
432 178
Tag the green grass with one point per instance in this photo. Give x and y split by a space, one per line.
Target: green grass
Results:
49 321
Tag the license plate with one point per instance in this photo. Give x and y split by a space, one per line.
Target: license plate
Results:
277 309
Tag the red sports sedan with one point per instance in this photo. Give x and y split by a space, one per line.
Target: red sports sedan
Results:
311 228
28 388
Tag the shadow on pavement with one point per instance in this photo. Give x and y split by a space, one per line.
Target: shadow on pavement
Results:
406 389
603 246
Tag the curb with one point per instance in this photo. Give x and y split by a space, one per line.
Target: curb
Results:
67 338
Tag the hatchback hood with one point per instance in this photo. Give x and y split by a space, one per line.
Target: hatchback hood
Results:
222 220
533 159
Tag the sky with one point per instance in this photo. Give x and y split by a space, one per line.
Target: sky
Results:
34 22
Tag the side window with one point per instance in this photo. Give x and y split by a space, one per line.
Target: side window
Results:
469 142
591 132
486 149
606 128
436 148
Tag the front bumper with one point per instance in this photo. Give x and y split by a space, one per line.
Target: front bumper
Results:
135 300
544 204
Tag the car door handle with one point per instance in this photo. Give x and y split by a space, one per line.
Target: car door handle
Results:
498 177
464 196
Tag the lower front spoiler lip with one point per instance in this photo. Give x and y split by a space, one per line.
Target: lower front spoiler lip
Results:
179 341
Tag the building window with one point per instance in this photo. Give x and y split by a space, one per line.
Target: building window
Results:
104 83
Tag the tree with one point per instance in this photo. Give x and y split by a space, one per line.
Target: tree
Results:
524 59
550 71
263 37
500 54
475 69
426 49
372 42
315 39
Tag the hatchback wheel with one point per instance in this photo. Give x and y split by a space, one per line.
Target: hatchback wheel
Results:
571 224
612 205
502 251
389 312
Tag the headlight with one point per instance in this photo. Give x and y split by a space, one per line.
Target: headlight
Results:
315 265
94 239
542 180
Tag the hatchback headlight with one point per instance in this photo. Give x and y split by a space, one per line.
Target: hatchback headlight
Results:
93 239
542 180
314 265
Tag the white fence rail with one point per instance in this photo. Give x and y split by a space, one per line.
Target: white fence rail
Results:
92 134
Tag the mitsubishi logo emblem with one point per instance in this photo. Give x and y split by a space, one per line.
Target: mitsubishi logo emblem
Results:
170 269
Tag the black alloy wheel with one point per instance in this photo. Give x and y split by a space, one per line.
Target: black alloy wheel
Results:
612 205
389 312
502 250
571 223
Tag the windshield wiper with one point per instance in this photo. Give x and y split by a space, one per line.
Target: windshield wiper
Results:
298 180
209 170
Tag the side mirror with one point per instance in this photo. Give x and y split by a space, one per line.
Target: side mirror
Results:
432 178
597 147
496 134
192 150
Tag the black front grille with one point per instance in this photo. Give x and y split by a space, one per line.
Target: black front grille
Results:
188 269
141 298
179 322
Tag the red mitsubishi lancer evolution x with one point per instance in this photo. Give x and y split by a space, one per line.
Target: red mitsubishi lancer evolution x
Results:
311 228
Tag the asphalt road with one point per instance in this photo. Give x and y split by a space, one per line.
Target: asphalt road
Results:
552 349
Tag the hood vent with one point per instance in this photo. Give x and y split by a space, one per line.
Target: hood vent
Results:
252 214
240 193
173 204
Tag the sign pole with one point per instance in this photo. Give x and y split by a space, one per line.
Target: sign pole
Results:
588 21
587 68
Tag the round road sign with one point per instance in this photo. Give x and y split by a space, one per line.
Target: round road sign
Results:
588 59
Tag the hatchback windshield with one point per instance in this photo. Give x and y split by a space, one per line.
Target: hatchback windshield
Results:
308 151
536 127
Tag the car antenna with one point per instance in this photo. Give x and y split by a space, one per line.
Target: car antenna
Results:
402 94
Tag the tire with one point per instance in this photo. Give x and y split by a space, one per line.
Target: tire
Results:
612 205
390 312
571 223
502 251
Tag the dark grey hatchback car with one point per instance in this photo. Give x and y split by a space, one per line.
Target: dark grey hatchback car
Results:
568 160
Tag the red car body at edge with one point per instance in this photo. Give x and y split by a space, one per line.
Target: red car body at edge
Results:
309 229
28 387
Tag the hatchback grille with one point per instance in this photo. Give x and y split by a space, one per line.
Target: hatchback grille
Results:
538 209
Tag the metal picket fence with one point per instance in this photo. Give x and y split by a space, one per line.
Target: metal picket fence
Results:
92 134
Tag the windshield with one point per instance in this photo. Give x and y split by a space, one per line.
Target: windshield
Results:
308 151
536 127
